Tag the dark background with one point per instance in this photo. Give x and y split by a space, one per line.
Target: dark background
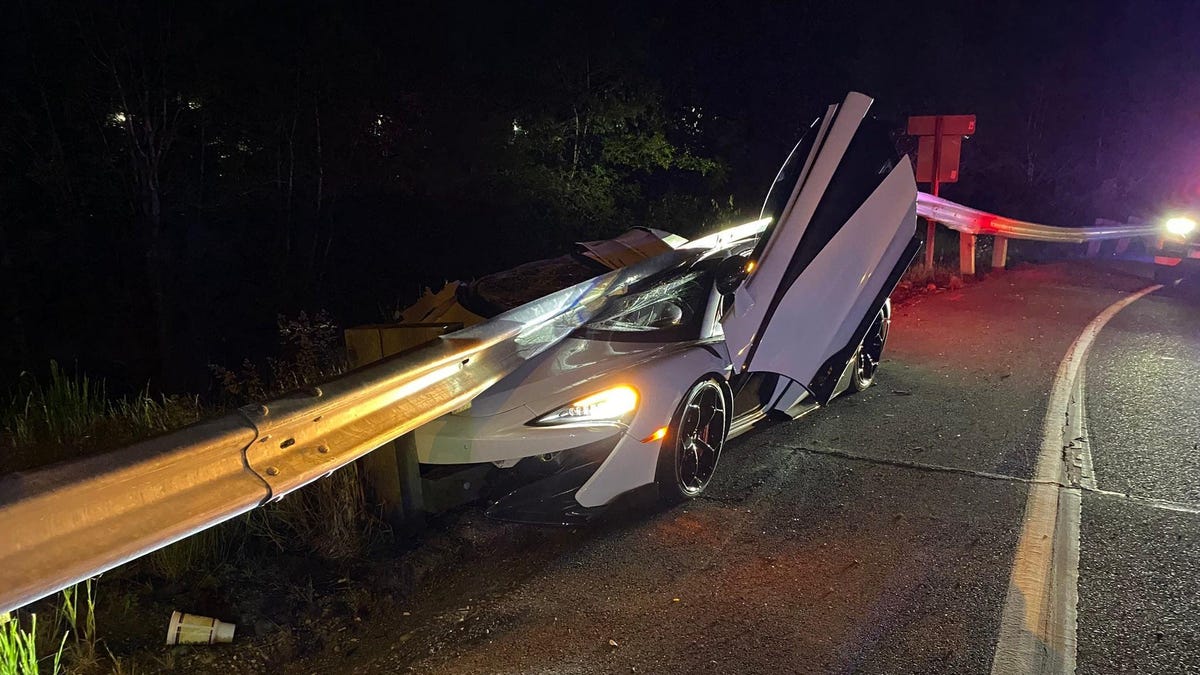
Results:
175 175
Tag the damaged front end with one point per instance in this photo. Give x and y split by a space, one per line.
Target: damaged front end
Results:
541 489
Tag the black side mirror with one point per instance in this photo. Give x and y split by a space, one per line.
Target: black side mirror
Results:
730 273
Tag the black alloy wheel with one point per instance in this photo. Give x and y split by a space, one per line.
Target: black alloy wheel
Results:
694 440
869 353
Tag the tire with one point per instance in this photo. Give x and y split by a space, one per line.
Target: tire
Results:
692 447
869 353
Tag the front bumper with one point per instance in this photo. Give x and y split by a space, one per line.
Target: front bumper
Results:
541 490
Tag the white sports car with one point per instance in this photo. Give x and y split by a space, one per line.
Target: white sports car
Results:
777 316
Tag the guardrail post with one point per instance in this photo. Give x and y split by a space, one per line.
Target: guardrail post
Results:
930 235
392 473
1093 249
966 254
999 253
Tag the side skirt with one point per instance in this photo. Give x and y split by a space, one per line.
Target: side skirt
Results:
747 422
741 425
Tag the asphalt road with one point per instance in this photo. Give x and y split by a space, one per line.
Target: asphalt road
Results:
876 535
1139 590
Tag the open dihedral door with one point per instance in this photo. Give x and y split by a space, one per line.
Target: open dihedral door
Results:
844 226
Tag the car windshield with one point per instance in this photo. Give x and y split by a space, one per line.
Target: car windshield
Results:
664 308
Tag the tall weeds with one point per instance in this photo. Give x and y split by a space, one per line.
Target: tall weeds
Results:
83 652
329 518
63 410
18 647
67 416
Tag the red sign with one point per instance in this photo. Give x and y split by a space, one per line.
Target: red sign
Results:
947 162
939 145
952 125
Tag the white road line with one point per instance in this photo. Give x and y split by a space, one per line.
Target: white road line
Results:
1037 627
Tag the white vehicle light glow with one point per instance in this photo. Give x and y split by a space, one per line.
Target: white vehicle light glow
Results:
1180 226
609 405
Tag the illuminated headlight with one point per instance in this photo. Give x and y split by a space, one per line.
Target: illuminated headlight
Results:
609 405
1180 226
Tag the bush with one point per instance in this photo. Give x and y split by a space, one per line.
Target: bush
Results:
310 351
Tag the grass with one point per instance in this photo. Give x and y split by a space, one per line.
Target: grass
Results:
61 411
18 647
330 518
83 653
203 553
67 416
919 276
75 617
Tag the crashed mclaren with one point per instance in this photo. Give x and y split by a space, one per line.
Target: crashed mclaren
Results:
773 317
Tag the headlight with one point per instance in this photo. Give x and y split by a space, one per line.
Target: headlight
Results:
609 405
1180 226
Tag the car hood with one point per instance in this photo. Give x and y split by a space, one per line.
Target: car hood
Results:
567 365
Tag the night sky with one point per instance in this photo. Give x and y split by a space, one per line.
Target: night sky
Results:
173 178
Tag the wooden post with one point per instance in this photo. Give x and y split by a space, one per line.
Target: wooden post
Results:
930 234
966 254
392 473
999 253
930 226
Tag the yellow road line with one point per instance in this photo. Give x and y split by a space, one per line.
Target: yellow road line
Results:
1037 627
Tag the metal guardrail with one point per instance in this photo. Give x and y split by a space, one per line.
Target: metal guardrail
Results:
973 221
66 523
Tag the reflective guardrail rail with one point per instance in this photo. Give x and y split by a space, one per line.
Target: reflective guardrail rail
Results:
65 523
973 221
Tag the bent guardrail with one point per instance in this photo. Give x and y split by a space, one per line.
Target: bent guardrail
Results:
970 222
66 523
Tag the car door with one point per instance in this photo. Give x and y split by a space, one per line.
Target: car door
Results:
844 230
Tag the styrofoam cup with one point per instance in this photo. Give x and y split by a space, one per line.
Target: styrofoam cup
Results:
192 629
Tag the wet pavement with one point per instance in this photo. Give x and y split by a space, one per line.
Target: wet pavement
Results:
873 536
